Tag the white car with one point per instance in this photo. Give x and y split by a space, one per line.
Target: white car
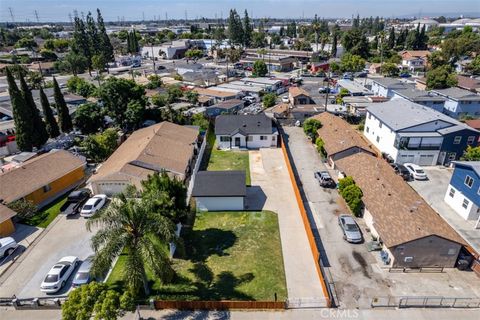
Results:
7 246
416 171
285 99
93 204
57 276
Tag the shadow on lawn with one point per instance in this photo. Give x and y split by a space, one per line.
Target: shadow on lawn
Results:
201 244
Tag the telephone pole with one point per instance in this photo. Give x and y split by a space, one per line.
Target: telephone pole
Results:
36 16
11 14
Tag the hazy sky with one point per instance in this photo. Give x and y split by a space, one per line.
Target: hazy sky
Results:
58 10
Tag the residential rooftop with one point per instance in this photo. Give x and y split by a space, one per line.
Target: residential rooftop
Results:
227 104
220 184
245 124
419 95
455 93
297 91
393 83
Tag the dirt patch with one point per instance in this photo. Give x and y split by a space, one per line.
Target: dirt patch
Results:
362 262
346 266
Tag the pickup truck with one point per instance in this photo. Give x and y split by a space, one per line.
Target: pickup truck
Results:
75 201
324 179
7 246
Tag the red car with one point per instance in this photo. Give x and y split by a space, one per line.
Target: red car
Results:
248 68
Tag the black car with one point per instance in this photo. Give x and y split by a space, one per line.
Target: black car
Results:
75 201
324 179
402 171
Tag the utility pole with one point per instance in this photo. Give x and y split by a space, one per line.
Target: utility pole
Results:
186 16
11 14
36 16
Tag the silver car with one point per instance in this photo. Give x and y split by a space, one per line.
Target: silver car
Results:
83 275
350 229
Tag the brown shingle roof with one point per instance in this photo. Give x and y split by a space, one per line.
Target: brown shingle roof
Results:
162 146
6 213
473 123
36 173
338 135
399 214
297 91
468 83
214 93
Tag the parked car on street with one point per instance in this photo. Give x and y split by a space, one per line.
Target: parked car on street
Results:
416 171
75 201
348 76
7 246
402 171
83 275
57 277
93 204
324 179
324 90
350 229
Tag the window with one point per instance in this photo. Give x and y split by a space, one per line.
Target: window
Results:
469 181
263 137
224 139
470 139
408 259
451 193
380 125
250 138
378 138
368 129
457 140
465 203
47 188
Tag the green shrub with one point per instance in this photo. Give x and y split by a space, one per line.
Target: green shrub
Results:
310 127
321 147
345 182
353 197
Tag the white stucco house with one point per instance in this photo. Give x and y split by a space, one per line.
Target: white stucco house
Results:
245 132
220 190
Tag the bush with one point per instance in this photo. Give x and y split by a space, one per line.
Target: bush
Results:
310 127
353 197
345 182
154 82
321 146
24 208
269 100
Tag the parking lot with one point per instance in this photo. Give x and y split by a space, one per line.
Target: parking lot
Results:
357 274
63 237
433 191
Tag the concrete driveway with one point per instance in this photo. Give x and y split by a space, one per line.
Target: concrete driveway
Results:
269 172
433 192
63 237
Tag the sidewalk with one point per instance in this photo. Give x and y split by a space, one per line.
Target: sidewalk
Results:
268 171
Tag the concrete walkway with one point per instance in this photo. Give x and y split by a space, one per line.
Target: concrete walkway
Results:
269 172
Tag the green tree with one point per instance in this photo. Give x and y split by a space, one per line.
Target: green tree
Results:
80 42
159 100
345 182
259 68
258 40
174 93
355 42
192 96
48 55
74 63
436 59
194 54
34 79
333 52
88 118
390 69
40 134
353 197
441 78
105 44
310 127
320 144
471 154
391 38
26 42
50 121
100 146
116 94
247 30
155 81
24 208
131 226
98 63
108 309
235 28
269 100
80 86
92 35
474 66
352 63
134 115
199 119
64 118
21 115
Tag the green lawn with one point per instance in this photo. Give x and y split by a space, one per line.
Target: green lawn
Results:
45 216
229 255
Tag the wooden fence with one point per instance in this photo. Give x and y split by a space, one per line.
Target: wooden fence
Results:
219 305
306 223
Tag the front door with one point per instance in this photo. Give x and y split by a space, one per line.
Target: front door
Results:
237 141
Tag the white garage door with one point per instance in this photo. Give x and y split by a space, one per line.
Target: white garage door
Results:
405 158
111 188
220 203
426 159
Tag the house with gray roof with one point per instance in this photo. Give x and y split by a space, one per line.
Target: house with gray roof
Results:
410 132
422 97
245 131
384 87
220 190
225 107
460 102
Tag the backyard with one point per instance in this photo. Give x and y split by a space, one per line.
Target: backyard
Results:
228 256
46 215
225 159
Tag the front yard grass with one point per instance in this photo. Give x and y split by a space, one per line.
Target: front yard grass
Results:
229 160
46 215
228 256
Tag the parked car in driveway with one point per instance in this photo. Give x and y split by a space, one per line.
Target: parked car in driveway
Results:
324 179
83 275
7 246
285 99
416 171
350 229
75 201
57 277
92 205
402 171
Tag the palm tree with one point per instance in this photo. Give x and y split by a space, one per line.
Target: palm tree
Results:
131 226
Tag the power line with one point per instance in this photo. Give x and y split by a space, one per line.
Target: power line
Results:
36 16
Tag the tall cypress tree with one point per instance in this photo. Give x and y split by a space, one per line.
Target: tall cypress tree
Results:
81 42
50 122
40 135
247 30
334 43
92 35
21 115
105 43
391 38
62 110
